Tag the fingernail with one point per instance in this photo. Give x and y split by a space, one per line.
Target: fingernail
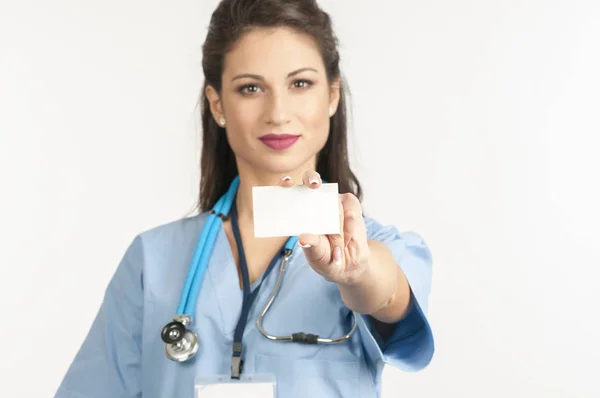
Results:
286 178
305 245
313 180
337 255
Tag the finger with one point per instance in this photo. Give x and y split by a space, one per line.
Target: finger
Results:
336 241
352 211
311 179
316 248
352 214
286 181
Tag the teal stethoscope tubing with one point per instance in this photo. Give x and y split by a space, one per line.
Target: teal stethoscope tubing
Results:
205 247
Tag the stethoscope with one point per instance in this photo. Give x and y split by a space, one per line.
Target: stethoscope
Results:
181 343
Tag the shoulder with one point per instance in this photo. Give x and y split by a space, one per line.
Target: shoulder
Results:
411 252
161 255
161 241
173 229
170 233
390 234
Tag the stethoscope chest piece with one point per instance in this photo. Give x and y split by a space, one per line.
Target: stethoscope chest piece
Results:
180 343
184 349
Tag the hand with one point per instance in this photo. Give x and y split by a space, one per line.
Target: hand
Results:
343 257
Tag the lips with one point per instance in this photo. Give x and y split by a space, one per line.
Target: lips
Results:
279 142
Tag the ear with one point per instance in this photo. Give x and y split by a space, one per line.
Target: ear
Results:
334 95
214 100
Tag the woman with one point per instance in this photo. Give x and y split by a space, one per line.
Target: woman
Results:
271 69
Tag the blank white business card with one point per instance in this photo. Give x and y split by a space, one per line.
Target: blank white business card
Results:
280 211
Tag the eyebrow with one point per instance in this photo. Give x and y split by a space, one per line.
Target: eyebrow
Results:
259 77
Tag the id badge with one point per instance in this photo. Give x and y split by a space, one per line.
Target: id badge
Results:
256 386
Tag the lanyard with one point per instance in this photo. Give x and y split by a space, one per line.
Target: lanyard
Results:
249 296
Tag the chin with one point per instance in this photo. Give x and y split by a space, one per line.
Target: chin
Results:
286 164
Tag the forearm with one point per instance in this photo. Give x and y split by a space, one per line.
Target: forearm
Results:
382 290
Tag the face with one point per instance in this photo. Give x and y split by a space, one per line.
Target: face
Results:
276 101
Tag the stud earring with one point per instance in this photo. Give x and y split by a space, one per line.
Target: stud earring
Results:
222 121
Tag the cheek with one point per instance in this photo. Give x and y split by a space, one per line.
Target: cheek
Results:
242 119
315 115
239 109
314 107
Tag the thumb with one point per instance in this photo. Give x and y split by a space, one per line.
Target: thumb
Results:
316 249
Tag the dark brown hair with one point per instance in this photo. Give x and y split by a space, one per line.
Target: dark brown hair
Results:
230 20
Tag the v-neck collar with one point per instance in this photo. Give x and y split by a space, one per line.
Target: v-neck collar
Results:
223 274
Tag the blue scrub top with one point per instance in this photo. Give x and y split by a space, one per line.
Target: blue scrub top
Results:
123 354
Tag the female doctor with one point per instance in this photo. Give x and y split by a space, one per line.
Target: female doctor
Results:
273 113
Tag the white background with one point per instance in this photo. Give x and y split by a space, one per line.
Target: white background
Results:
482 116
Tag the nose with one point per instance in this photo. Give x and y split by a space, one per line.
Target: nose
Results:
276 112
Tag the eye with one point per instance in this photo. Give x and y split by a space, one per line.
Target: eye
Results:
249 89
302 84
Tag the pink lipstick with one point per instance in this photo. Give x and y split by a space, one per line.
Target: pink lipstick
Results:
279 142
